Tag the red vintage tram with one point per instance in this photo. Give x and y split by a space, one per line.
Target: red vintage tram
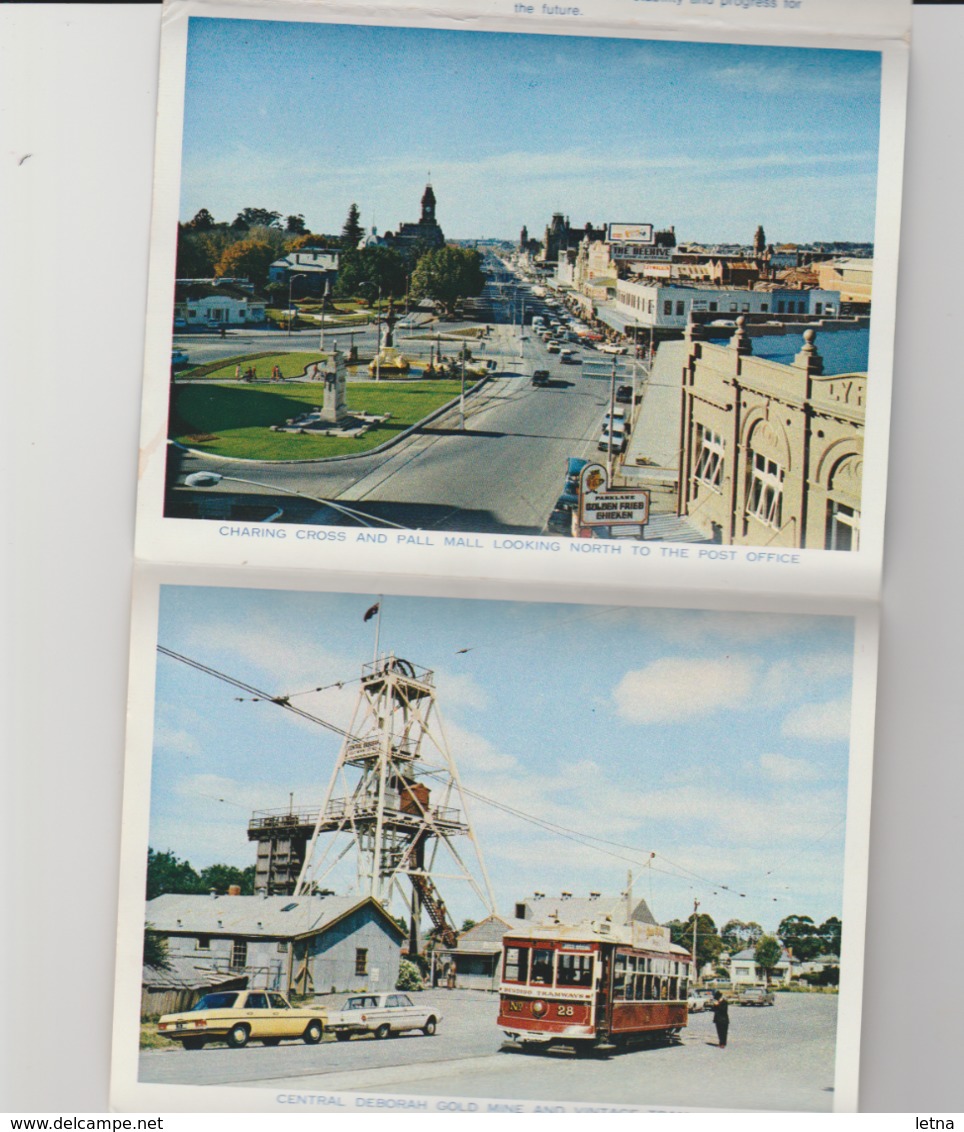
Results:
592 985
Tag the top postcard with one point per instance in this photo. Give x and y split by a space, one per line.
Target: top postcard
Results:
569 294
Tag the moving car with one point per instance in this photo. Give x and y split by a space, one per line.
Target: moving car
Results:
382 1015
540 377
178 358
568 356
755 996
237 1017
552 347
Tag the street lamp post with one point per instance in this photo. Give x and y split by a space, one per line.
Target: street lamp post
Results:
462 393
291 279
378 335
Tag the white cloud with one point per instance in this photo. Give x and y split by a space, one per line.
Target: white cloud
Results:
460 690
789 680
675 688
824 722
781 768
174 741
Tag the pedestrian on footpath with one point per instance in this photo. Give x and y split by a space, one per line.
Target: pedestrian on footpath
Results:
721 1017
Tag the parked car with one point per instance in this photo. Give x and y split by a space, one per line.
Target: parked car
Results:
570 491
560 520
178 358
624 395
618 439
237 1017
696 1002
755 996
382 1015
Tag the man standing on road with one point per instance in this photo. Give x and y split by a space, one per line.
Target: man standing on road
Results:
721 1017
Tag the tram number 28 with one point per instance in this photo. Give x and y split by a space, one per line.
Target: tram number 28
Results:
564 1011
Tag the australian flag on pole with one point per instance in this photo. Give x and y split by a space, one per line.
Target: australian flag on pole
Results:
370 613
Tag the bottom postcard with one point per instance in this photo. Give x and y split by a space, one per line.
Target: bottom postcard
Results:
397 852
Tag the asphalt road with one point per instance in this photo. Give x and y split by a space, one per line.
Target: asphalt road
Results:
779 1057
503 473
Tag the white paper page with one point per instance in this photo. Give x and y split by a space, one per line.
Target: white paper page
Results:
742 457
79 646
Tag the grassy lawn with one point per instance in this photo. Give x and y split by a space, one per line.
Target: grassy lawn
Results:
151 1039
235 420
292 365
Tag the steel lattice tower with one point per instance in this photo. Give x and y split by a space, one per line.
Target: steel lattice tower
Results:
395 792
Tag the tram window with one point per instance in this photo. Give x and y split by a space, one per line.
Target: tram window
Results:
657 987
516 964
574 970
619 977
639 988
541 966
683 988
673 987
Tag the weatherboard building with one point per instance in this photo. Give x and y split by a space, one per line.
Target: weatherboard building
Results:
304 944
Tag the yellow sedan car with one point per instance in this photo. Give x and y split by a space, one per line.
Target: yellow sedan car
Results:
237 1017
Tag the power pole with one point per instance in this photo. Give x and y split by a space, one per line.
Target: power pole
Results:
696 905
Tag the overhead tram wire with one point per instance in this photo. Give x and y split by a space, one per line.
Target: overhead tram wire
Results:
587 839
550 827
258 693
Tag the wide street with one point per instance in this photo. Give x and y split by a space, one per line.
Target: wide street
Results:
501 473
779 1058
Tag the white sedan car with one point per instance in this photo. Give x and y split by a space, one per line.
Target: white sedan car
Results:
381 1015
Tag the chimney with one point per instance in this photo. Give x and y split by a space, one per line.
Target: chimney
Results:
213 894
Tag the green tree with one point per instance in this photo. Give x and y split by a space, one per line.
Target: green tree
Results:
466 924
221 877
352 231
830 932
446 275
801 936
194 258
708 942
738 935
202 221
258 218
166 873
767 955
296 225
370 269
249 259
409 976
156 954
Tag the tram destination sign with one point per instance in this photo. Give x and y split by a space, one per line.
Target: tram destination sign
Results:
603 506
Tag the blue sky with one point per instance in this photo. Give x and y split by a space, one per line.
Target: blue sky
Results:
719 742
307 118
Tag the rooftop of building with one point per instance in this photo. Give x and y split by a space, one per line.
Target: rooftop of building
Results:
268 916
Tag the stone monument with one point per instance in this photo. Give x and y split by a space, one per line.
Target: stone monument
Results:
335 408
